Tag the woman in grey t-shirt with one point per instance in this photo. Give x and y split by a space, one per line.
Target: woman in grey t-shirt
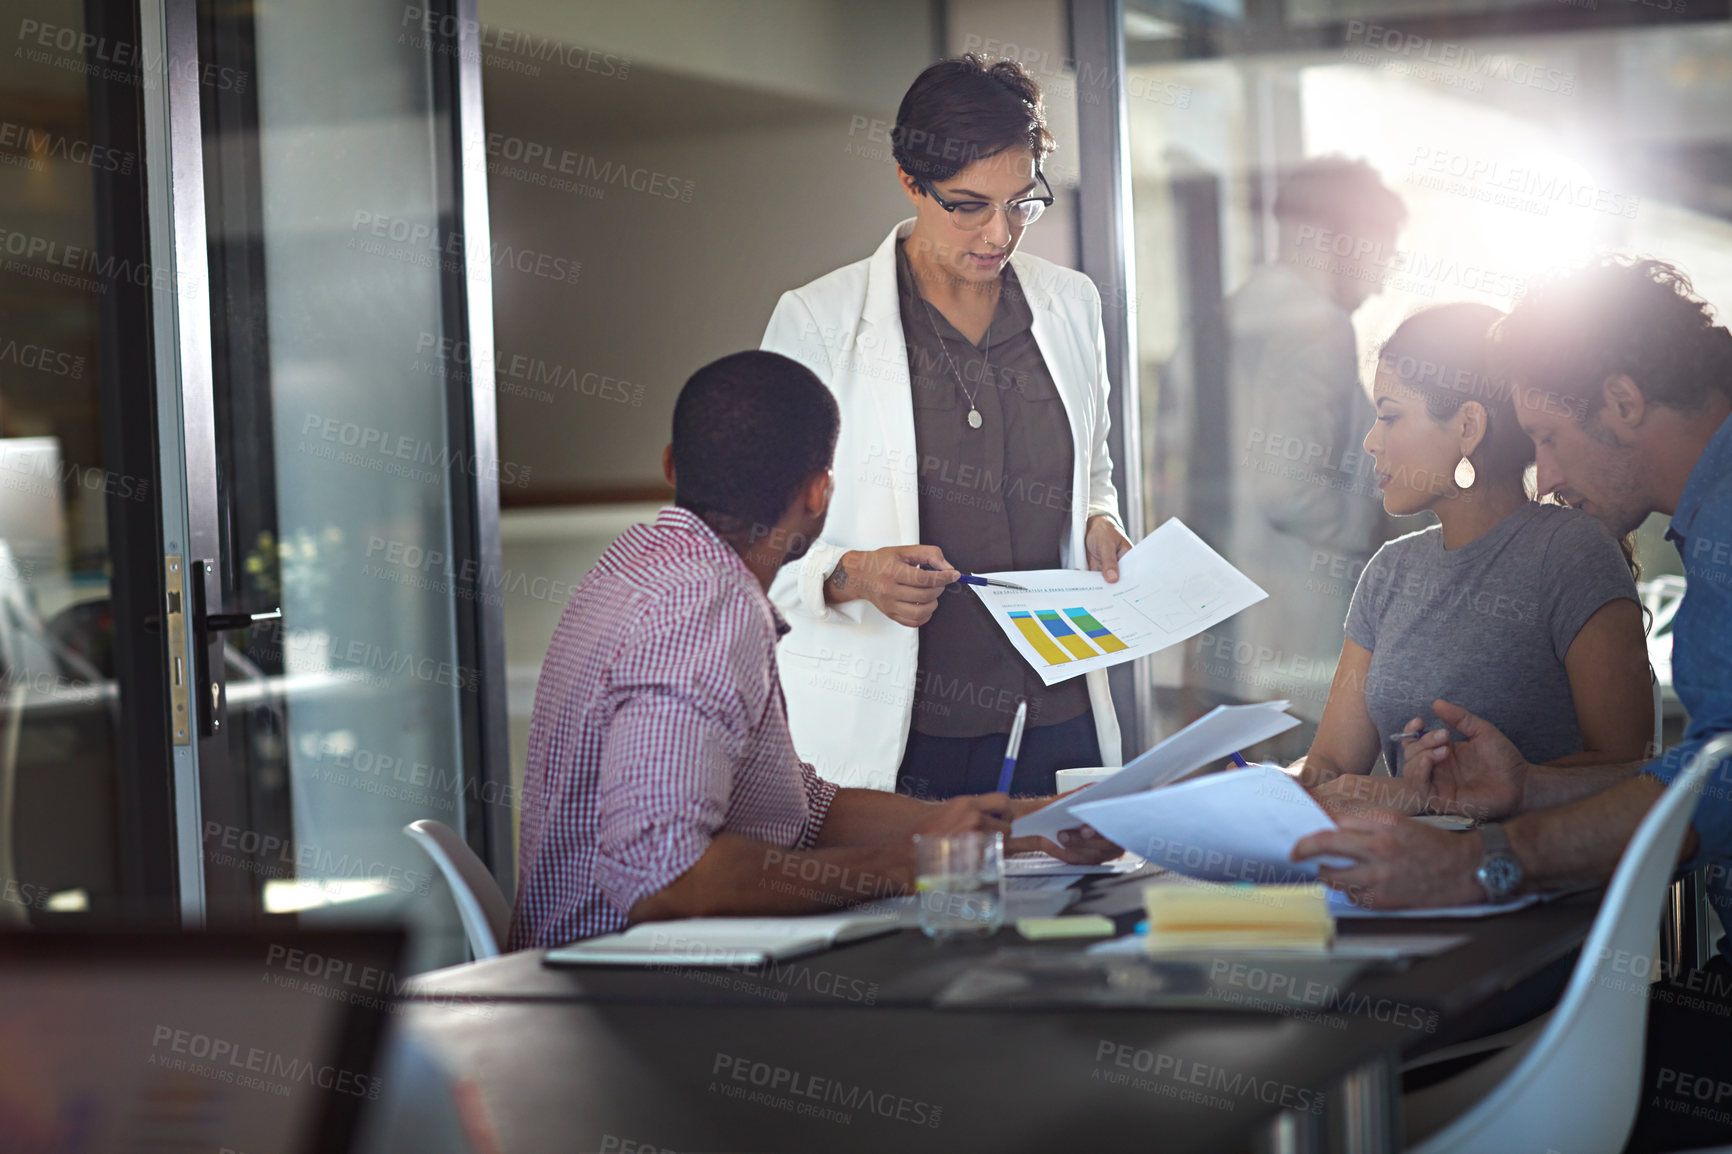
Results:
1523 613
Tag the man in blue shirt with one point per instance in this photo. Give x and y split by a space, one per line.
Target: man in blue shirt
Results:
1624 383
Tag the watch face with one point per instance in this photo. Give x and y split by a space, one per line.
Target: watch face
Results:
1500 874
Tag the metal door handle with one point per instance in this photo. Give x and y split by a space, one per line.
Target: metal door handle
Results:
208 649
222 622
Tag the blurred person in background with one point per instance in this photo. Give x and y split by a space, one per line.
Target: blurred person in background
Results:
1305 513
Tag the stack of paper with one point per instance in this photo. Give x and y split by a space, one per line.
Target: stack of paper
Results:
1244 917
1208 740
722 941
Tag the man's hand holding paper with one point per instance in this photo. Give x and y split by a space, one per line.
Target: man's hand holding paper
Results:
1078 844
1397 863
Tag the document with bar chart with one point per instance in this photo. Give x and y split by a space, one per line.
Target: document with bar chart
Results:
1171 586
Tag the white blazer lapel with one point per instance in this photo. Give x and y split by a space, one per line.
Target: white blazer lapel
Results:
883 345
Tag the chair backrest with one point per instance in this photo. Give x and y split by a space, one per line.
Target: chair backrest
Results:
1578 1086
485 912
1658 745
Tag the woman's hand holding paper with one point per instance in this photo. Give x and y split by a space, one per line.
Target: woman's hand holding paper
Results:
1105 545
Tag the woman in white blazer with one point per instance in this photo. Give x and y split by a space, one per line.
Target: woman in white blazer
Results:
973 388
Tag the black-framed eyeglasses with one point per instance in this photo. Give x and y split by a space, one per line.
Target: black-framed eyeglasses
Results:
973 215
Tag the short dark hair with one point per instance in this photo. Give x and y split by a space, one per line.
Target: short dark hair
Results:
966 109
1340 194
1618 316
749 430
1443 354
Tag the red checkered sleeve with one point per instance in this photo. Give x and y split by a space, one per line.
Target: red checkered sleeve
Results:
819 796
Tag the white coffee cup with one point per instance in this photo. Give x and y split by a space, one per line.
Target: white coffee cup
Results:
1073 779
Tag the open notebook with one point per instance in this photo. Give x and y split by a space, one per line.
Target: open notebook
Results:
722 941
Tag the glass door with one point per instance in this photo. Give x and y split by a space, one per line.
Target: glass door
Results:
340 581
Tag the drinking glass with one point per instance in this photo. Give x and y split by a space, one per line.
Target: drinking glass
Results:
959 879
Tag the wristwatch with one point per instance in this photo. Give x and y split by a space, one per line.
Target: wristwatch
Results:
1499 873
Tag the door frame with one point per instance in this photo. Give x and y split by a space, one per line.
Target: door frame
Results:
1104 233
206 794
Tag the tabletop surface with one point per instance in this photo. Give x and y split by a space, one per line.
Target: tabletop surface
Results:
845 1050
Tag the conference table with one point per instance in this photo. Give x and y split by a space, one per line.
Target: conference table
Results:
898 1043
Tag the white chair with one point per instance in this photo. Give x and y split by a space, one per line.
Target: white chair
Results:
1576 1087
480 903
1453 1095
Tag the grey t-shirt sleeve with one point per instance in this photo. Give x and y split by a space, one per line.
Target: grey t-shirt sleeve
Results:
1585 569
1371 598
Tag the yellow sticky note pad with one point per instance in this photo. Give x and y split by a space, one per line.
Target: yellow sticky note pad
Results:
1080 926
1201 915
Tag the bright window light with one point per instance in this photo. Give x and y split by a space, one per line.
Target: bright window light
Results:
1494 200
69 902
291 895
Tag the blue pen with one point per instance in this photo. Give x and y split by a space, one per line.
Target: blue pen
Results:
1014 748
971 579
1240 762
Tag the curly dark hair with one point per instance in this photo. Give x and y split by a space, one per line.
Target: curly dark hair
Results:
1619 316
966 109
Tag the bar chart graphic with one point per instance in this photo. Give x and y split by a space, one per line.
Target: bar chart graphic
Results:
1061 637
1095 631
1064 634
1037 637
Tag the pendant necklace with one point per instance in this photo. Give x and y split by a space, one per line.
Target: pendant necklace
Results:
975 420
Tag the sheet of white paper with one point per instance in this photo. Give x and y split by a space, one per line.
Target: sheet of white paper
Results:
1038 902
1240 825
1171 586
1211 738
1045 865
1448 821
1029 883
1342 907
1357 947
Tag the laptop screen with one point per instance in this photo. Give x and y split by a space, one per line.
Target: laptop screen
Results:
244 1043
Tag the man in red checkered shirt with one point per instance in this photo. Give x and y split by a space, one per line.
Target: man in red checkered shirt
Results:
662 780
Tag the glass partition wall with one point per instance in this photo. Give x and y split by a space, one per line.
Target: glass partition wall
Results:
248 500
1518 137
351 461
86 828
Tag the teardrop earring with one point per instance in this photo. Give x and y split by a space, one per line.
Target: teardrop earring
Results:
1464 474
